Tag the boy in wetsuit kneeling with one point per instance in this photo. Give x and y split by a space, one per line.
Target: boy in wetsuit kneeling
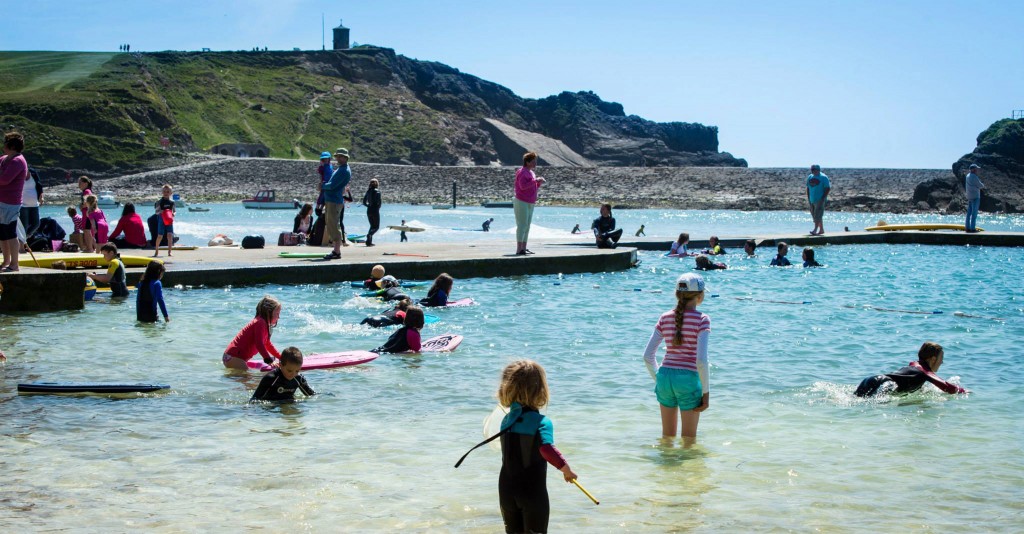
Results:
911 377
281 383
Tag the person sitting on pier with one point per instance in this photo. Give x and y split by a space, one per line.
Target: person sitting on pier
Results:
605 233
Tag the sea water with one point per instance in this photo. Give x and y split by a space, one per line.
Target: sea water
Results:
784 444
465 222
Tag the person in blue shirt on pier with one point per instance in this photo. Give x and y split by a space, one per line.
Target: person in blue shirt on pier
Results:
818 188
334 201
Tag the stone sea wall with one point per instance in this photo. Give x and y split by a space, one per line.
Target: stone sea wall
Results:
232 179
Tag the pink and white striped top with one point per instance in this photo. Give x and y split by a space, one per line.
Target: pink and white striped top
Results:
683 356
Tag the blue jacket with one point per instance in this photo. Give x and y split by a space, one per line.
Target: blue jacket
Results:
334 189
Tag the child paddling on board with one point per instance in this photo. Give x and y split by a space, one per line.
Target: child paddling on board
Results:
681 381
281 383
255 337
911 377
407 338
150 294
527 446
439 292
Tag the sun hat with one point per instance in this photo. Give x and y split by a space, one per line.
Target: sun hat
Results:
325 155
341 152
387 281
690 282
974 166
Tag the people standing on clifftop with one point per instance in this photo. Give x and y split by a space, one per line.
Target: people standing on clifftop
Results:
334 200
372 200
818 187
527 185
973 187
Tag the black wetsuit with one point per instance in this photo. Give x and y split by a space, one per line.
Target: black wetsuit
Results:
393 293
604 229
397 342
275 387
388 318
522 490
372 201
907 380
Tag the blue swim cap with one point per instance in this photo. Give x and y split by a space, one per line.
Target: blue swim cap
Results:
325 155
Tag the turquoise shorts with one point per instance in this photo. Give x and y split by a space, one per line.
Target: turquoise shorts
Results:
678 388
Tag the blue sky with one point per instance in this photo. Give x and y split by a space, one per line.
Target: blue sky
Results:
903 84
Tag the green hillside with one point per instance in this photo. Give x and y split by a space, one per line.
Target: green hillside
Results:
108 112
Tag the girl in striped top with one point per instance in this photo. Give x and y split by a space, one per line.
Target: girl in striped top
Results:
681 381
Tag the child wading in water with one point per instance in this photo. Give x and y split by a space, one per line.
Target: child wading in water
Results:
150 294
281 383
911 377
522 487
527 447
681 382
255 337
115 275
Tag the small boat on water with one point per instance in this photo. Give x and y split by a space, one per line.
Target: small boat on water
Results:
267 200
107 200
442 206
198 208
490 204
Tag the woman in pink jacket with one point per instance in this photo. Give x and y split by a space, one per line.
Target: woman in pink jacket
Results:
13 171
527 184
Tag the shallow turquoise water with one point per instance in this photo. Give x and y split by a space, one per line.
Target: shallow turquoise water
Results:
783 446
195 228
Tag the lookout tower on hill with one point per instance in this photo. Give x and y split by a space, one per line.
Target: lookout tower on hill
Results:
341 37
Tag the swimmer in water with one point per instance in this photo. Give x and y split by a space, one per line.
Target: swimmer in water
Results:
911 377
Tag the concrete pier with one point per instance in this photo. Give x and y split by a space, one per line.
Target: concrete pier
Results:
35 289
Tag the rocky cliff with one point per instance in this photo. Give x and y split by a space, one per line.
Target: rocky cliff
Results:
1000 153
110 114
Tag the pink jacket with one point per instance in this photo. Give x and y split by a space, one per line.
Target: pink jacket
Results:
13 172
526 185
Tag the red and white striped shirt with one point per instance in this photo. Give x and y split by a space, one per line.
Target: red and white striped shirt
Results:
684 355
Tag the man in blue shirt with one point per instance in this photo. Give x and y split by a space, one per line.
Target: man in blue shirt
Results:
334 200
973 187
818 187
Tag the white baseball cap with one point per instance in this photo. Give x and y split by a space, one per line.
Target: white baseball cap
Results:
690 282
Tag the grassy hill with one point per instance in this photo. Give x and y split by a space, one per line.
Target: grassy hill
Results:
106 113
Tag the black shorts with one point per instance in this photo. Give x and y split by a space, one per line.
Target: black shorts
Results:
9 231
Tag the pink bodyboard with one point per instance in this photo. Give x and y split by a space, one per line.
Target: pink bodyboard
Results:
461 302
327 360
445 343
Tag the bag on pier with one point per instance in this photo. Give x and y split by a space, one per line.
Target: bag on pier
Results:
253 241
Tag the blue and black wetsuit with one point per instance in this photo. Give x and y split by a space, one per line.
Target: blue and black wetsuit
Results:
526 450
436 299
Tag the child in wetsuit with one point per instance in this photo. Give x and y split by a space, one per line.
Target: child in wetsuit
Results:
391 317
704 263
376 273
527 446
715 246
780 260
115 275
439 292
911 377
681 381
808 257
407 338
281 383
254 337
150 294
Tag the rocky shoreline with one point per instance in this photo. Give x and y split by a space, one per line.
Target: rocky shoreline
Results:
231 179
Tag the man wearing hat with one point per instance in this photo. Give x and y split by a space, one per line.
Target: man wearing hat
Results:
334 199
973 186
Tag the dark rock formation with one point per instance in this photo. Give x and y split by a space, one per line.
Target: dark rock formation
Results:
1000 153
